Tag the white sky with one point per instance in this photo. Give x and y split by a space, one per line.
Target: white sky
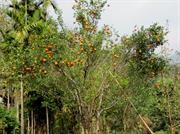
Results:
123 15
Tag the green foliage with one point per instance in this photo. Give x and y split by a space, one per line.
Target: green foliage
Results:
8 121
140 49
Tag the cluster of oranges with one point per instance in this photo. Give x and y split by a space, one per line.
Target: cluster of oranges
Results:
82 49
115 56
48 50
92 48
33 69
68 63
43 71
88 26
82 41
38 67
72 63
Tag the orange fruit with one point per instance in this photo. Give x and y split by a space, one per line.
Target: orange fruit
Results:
46 50
45 72
56 63
44 60
114 64
72 63
115 56
90 45
50 55
82 49
50 45
78 53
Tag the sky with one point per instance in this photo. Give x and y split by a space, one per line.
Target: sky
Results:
123 15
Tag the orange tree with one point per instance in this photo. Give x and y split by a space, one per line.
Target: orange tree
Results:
142 67
136 68
140 48
84 65
74 59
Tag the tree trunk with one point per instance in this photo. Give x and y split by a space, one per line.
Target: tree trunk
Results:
97 122
8 100
97 126
17 111
22 108
87 131
4 132
82 130
32 124
107 130
47 120
28 130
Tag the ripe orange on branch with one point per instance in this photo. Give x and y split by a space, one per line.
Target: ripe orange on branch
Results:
115 56
78 53
92 49
45 72
50 45
43 60
46 50
56 63
50 55
90 45
82 49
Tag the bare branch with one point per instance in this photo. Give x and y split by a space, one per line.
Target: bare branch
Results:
110 106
